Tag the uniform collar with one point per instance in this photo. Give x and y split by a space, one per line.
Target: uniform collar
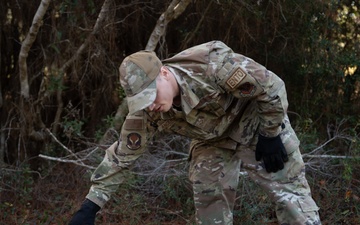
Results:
188 98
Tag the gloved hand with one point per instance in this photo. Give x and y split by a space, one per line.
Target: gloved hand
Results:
272 151
86 214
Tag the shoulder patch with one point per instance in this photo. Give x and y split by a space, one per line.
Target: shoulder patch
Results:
247 89
133 141
236 78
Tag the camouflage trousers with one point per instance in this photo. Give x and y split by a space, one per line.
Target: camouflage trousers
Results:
214 173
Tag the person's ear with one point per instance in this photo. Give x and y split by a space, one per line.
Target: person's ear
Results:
164 72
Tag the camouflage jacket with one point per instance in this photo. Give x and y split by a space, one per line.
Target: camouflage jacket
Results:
226 98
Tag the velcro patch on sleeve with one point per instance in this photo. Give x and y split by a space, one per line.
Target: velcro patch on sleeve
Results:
134 124
236 77
230 76
238 80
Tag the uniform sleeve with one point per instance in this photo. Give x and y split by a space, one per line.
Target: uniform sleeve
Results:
246 79
118 158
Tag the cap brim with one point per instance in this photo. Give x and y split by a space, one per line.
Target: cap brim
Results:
143 99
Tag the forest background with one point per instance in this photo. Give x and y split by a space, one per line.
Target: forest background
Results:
61 102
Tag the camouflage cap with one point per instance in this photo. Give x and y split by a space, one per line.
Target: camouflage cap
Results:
137 77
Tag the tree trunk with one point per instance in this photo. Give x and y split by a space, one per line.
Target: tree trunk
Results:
26 45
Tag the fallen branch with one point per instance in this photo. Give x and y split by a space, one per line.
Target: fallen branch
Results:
318 148
61 144
331 156
76 162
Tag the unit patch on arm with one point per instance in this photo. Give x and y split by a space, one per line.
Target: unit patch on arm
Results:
133 141
247 89
236 78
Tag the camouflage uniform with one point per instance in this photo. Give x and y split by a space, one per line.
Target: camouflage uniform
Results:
227 99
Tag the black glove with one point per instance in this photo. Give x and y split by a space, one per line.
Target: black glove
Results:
273 153
86 214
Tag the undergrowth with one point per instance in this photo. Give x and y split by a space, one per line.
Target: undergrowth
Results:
158 191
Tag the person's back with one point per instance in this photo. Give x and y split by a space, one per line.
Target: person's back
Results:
219 99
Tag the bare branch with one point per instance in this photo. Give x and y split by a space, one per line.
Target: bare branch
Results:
100 20
175 8
193 33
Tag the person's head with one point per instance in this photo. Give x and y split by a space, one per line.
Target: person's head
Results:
147 83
